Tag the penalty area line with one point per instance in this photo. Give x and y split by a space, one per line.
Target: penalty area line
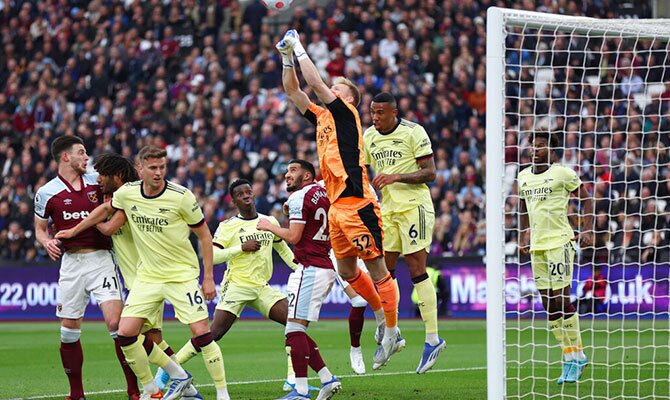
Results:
433 371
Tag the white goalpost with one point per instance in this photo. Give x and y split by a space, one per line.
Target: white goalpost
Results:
602 87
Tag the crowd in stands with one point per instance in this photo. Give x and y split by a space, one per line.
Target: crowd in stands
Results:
202 79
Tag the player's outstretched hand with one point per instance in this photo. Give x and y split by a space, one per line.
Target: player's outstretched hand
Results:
65 234
524 242
382 180
53 248
251 246
585 239
264 224
208 289
292 39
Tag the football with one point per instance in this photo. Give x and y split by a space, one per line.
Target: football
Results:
277 5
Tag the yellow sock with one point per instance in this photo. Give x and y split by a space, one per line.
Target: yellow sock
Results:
290 371
572 337
138 361
427 305
556 327
214 363
185 353
158 357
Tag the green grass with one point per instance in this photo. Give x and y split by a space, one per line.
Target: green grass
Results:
255 363
253 351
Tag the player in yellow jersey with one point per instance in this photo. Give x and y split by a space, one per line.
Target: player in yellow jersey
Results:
161 215
400 153
248 254
114 171
544 191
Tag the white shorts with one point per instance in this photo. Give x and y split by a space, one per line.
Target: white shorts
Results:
342 282
307 288
82 275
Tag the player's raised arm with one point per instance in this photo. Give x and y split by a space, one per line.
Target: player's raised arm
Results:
309 71
98 215
290 79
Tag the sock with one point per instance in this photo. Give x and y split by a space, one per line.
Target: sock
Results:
131 379
72 357
363 285
556 328
315 360
163 345
159 358
387 293
290 372
427 306
222 394
572 338
325 375
187 352
300 356
137 359
213 358
356 321
397 289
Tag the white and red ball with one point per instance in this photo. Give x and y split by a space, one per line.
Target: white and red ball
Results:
277 5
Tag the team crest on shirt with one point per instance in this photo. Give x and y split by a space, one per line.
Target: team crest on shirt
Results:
59 307
92 196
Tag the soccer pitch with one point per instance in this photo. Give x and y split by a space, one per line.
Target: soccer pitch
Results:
256 366
255 362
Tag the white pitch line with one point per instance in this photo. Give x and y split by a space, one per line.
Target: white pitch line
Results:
51 396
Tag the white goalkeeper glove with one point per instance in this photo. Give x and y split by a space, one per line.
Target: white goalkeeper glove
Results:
292 38
286 51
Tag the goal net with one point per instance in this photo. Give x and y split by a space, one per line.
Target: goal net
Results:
603 87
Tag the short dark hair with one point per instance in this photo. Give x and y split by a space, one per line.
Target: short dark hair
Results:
385 97
112 164
236 183
551 137
150 151
63 144
306 165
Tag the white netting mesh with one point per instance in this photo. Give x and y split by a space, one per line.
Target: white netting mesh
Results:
604 86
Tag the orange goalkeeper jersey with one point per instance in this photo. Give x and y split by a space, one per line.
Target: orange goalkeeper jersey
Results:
339 140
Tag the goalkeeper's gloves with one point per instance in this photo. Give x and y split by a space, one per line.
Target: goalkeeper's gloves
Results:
286 51
292 38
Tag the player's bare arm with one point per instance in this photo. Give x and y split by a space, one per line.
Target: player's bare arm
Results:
291 235
115 223
100 214
205 236
424 175
524 230
43 237
585 236
292 89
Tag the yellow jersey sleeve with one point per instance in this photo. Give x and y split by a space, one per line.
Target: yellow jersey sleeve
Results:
420 142
190 209
119 197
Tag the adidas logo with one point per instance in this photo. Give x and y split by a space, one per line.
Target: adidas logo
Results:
524 184
373 145
133 208
413 243
242 230
201 309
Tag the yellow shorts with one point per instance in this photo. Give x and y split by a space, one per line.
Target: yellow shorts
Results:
146 299
356 229
409 231
234 297
552 269
155 322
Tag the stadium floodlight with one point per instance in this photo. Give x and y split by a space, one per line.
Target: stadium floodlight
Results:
602 86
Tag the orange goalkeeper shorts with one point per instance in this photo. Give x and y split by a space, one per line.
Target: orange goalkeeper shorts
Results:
356 228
